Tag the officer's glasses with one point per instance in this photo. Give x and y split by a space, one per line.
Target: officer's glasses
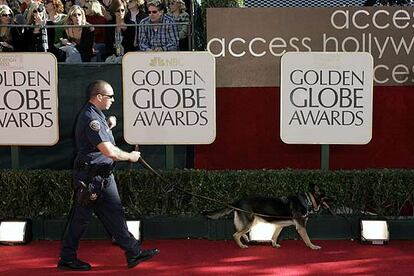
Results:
108 96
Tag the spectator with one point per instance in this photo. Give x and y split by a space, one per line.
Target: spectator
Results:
14 5
119 39
106 4
177 12
55 9
38 38
10 37
67 5
94 15
159 32
24 5
136 12
81 3
77 41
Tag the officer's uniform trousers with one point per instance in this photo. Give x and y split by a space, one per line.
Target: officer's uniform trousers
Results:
109 210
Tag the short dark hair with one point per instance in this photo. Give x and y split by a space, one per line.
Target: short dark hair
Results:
159 4
95 87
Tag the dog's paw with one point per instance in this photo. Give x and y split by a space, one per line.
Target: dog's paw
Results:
276 245
243 246
246 238
315 247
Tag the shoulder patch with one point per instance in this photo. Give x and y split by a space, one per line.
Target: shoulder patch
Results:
95 125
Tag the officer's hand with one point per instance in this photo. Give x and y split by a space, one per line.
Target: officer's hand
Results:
134 156
111 120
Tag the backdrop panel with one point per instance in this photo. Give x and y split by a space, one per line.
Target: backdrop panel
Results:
248 134
392 138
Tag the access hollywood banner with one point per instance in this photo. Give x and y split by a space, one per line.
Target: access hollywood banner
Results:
248 45
169 98
28 99
326 98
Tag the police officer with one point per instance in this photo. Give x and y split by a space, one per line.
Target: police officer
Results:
94 183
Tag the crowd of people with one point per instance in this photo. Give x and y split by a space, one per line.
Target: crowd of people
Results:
133 25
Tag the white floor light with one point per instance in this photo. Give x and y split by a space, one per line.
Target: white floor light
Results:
374 231
15 232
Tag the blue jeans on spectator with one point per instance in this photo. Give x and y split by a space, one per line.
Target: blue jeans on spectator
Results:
100 52
73 55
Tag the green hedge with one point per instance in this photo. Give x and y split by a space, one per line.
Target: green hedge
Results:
47 194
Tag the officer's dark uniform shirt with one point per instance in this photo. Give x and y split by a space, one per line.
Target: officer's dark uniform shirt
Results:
91 130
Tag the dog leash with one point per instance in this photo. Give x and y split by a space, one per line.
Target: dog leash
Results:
147 166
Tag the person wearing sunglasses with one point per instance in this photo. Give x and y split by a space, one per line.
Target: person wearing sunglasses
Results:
159 33
119 39
10 37
94 183
38 38
77 41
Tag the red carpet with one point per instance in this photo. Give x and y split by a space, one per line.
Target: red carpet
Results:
203 257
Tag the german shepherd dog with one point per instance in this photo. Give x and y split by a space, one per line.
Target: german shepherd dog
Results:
282 212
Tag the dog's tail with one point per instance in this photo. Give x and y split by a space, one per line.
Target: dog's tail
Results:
218 213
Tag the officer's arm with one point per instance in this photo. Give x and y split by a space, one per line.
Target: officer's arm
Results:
110 150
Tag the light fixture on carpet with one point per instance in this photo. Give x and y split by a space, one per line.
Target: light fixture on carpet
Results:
134 227
374 231
262 232
14 232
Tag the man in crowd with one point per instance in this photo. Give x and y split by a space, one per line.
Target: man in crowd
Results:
159 32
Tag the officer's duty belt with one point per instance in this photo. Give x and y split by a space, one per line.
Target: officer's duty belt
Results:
104 170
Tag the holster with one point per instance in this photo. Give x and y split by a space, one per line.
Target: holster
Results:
88 194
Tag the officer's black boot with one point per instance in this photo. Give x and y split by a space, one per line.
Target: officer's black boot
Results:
74 264
141 257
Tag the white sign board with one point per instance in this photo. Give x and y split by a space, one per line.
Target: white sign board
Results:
326 98
28 99
169 98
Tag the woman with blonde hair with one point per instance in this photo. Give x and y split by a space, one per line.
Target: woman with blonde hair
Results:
10 37
136 10
38 38
78 41
176 9
94 15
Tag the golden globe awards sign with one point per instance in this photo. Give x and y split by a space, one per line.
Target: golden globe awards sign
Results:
326 98
169 98
28 99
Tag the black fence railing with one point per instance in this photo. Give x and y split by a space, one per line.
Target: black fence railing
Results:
189 38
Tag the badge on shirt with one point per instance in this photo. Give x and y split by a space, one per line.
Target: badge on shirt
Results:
94 125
